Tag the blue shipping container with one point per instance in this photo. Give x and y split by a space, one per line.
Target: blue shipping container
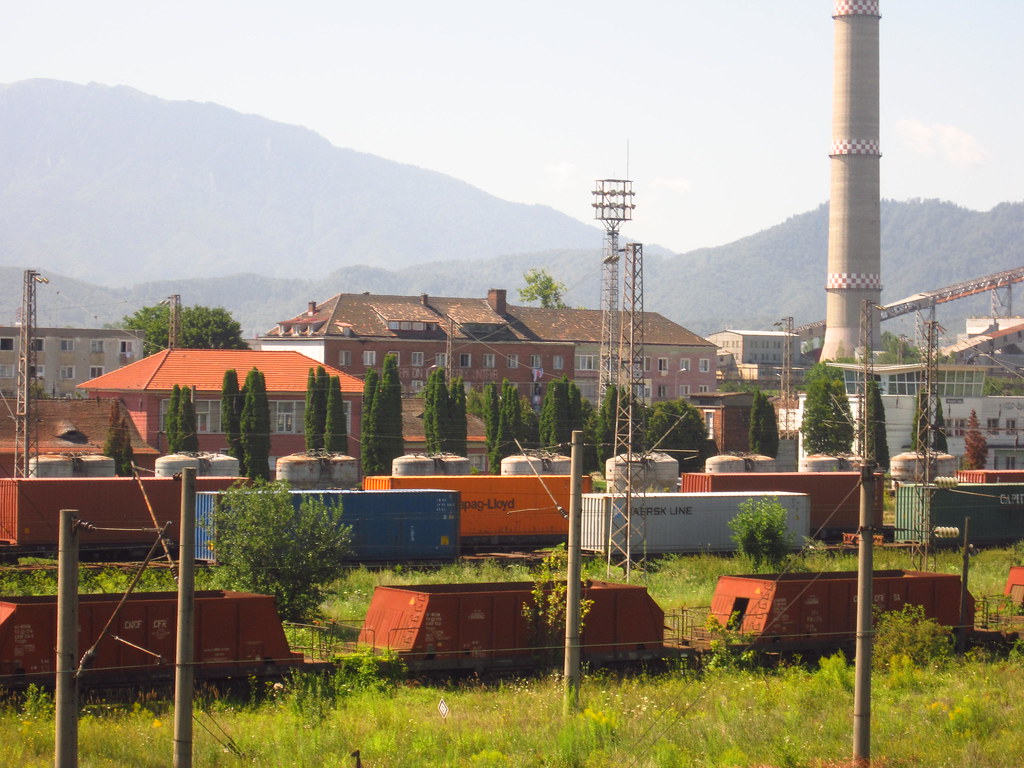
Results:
387 526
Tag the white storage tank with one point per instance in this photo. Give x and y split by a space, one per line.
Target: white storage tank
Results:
218 465
904 466
622 474
760 463
173 463
451 464
50 465
551 464
681 523
663 471
340 471
725 464
300 470
413 464
96 465
819 463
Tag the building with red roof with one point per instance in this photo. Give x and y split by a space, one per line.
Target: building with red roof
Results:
145 389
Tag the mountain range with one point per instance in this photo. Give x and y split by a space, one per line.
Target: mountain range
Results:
121 199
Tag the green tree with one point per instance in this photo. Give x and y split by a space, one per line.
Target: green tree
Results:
937 431
315 415
388 417
876 420
510 423
764 428
491 416
268 544
435 411
542 287
369 439
187 420
975 445
231 401
761 533
458 430
821 371
172 421
827 427
336 429
554 425
677 428
255 426
200 328
604 436
118 444
897 350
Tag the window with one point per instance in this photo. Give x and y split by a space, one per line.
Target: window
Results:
6 344
207 415
95 371
37 345
558 362
705 365
287 416
465 360
684 390
441 360
702 388
586 362
38 372
417 385
684 364
647 363
394 325
662 363
709 423
67 345
1011 427
369 357
993 426
488 360
67 372
396 355
96 346
535 361
662 391
416 359
344 357
513 361
6 370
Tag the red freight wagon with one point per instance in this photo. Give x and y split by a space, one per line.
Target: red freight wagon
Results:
481 626
1015 584
237 634
990 476
835 496
818 611
499 510
30 510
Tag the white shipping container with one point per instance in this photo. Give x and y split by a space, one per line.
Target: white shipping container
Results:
680 523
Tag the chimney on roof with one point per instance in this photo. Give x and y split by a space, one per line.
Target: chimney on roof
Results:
496 298
312 309
424 299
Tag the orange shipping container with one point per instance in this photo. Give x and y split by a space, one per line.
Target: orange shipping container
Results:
990 475
499 510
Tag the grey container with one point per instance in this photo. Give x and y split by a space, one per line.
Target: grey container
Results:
681 523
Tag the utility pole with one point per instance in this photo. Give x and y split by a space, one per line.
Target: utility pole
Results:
66 694
26 442
184 672
571 670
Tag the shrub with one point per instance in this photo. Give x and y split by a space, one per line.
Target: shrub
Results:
760 532
908 637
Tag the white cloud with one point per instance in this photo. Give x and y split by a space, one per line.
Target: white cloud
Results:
951 144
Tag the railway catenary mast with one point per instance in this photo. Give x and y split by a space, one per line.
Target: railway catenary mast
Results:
854 233
613 205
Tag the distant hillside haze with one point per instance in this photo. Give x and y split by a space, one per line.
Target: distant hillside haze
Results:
123 199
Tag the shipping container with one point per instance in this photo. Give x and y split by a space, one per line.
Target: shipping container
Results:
818 611
500 510
237 634
387 526
996 511
482 627
990 475
30 512
680 523
835 496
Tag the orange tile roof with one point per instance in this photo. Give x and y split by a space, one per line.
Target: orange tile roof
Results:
285 371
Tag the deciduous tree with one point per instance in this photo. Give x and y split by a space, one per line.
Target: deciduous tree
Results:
200 328
975 445
827 425
542 287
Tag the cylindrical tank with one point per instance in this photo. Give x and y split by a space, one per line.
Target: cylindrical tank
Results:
412 464
904 467
340 471
50 465
761 463
173 463
819 463
724 463
218 465
621 474
300 471
663 471
536 465
451 464
96 465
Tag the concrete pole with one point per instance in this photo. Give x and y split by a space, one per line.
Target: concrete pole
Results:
66 726
865 601
571 669
961 634
184 682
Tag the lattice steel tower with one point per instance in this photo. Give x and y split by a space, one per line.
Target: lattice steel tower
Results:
26 442
613 204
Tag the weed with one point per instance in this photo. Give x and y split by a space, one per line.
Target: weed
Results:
907 636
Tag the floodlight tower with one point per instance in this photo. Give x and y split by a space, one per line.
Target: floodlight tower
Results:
613 204
26 441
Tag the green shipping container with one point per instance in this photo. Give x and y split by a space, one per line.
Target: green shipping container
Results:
996 511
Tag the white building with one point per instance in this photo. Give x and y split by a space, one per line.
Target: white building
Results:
753 354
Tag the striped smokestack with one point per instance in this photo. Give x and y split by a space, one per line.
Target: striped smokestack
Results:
854 230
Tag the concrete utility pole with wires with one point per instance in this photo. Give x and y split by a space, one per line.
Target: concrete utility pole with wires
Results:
26 442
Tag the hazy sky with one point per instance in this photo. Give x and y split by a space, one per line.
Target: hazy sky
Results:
724 104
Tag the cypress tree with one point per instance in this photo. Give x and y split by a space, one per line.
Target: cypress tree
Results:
764 429
827 425
255 427
187 420
937 431
172 421
877 425
457 428
510 422
230 414
314 433
369 450
605 432
554 429
388 404
118 444
336 431
576 417
435 411
492 408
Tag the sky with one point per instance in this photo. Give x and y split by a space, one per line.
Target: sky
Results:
718 110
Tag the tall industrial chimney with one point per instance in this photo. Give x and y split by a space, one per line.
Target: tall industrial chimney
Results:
854 229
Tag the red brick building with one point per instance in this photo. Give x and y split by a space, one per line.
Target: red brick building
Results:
487 340
145 389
